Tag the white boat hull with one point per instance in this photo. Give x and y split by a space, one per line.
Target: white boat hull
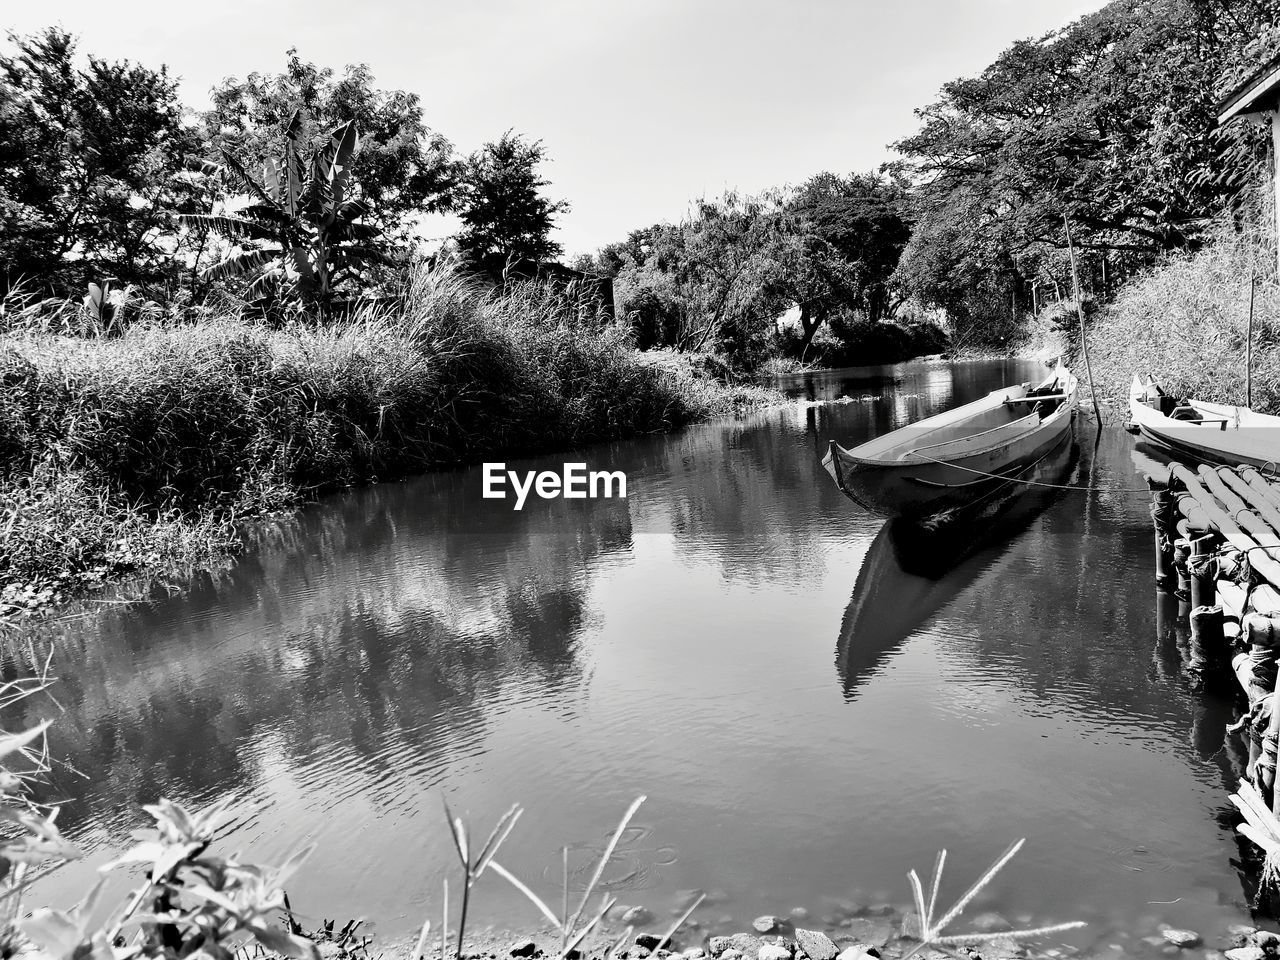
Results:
1220 434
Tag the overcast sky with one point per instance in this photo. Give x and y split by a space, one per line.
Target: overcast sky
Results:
641 105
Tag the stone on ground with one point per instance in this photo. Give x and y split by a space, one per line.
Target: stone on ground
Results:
773 951
818 946
991 922
523 948
637 917
743 943
1246 953
1182 938
768 924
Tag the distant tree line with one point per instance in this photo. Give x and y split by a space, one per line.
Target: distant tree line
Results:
1108 124
305 184
310 186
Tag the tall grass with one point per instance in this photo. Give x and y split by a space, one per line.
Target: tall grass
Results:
137 451
1184 322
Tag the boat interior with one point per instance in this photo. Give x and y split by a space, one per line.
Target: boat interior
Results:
1189 411
1021 409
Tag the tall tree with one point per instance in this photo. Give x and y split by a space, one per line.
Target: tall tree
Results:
712 281
505 216
841 241
91 159
404 169
1109 121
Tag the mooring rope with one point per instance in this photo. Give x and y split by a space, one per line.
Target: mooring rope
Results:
1032 483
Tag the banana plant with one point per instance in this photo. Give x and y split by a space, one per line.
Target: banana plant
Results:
301 234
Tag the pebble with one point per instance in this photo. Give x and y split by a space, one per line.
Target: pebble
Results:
1183 938
694 953
1266 940
744 944
772 951
859 951
817 945
1245 953
880 910
768 924
523 948
991 922
731 955
637 917
650 941
1004 947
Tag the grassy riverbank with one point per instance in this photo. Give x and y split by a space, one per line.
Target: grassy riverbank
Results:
142 453
1183 321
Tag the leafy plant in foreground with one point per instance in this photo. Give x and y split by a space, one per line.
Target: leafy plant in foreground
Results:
301 236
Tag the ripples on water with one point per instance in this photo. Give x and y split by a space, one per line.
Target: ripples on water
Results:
808 713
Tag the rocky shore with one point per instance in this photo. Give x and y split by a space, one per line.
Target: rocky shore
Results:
848 930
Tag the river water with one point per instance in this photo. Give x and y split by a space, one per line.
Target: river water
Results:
808 715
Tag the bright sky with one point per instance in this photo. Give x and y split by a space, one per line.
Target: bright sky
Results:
641 105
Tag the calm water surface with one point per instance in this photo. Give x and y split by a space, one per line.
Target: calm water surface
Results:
807 714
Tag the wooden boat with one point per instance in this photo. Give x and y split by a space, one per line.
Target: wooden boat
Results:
1208 432
958 456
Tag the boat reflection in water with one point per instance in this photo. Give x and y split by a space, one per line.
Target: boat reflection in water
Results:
912 570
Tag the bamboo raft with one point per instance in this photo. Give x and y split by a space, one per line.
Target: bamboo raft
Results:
1217 546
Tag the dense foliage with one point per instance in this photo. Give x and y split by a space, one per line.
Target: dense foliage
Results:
731 275
404 168
506 221
1109 123
91 169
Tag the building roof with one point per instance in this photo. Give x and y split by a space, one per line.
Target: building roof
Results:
1260 91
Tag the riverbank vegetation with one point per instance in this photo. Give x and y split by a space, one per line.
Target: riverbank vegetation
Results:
208 316
140 452
1108 125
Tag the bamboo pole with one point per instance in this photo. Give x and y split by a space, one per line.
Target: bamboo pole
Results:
1248 340
1260 505
1259 483
1261 531
1203 570
1207 649
1084 339
1205 513
1163 510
